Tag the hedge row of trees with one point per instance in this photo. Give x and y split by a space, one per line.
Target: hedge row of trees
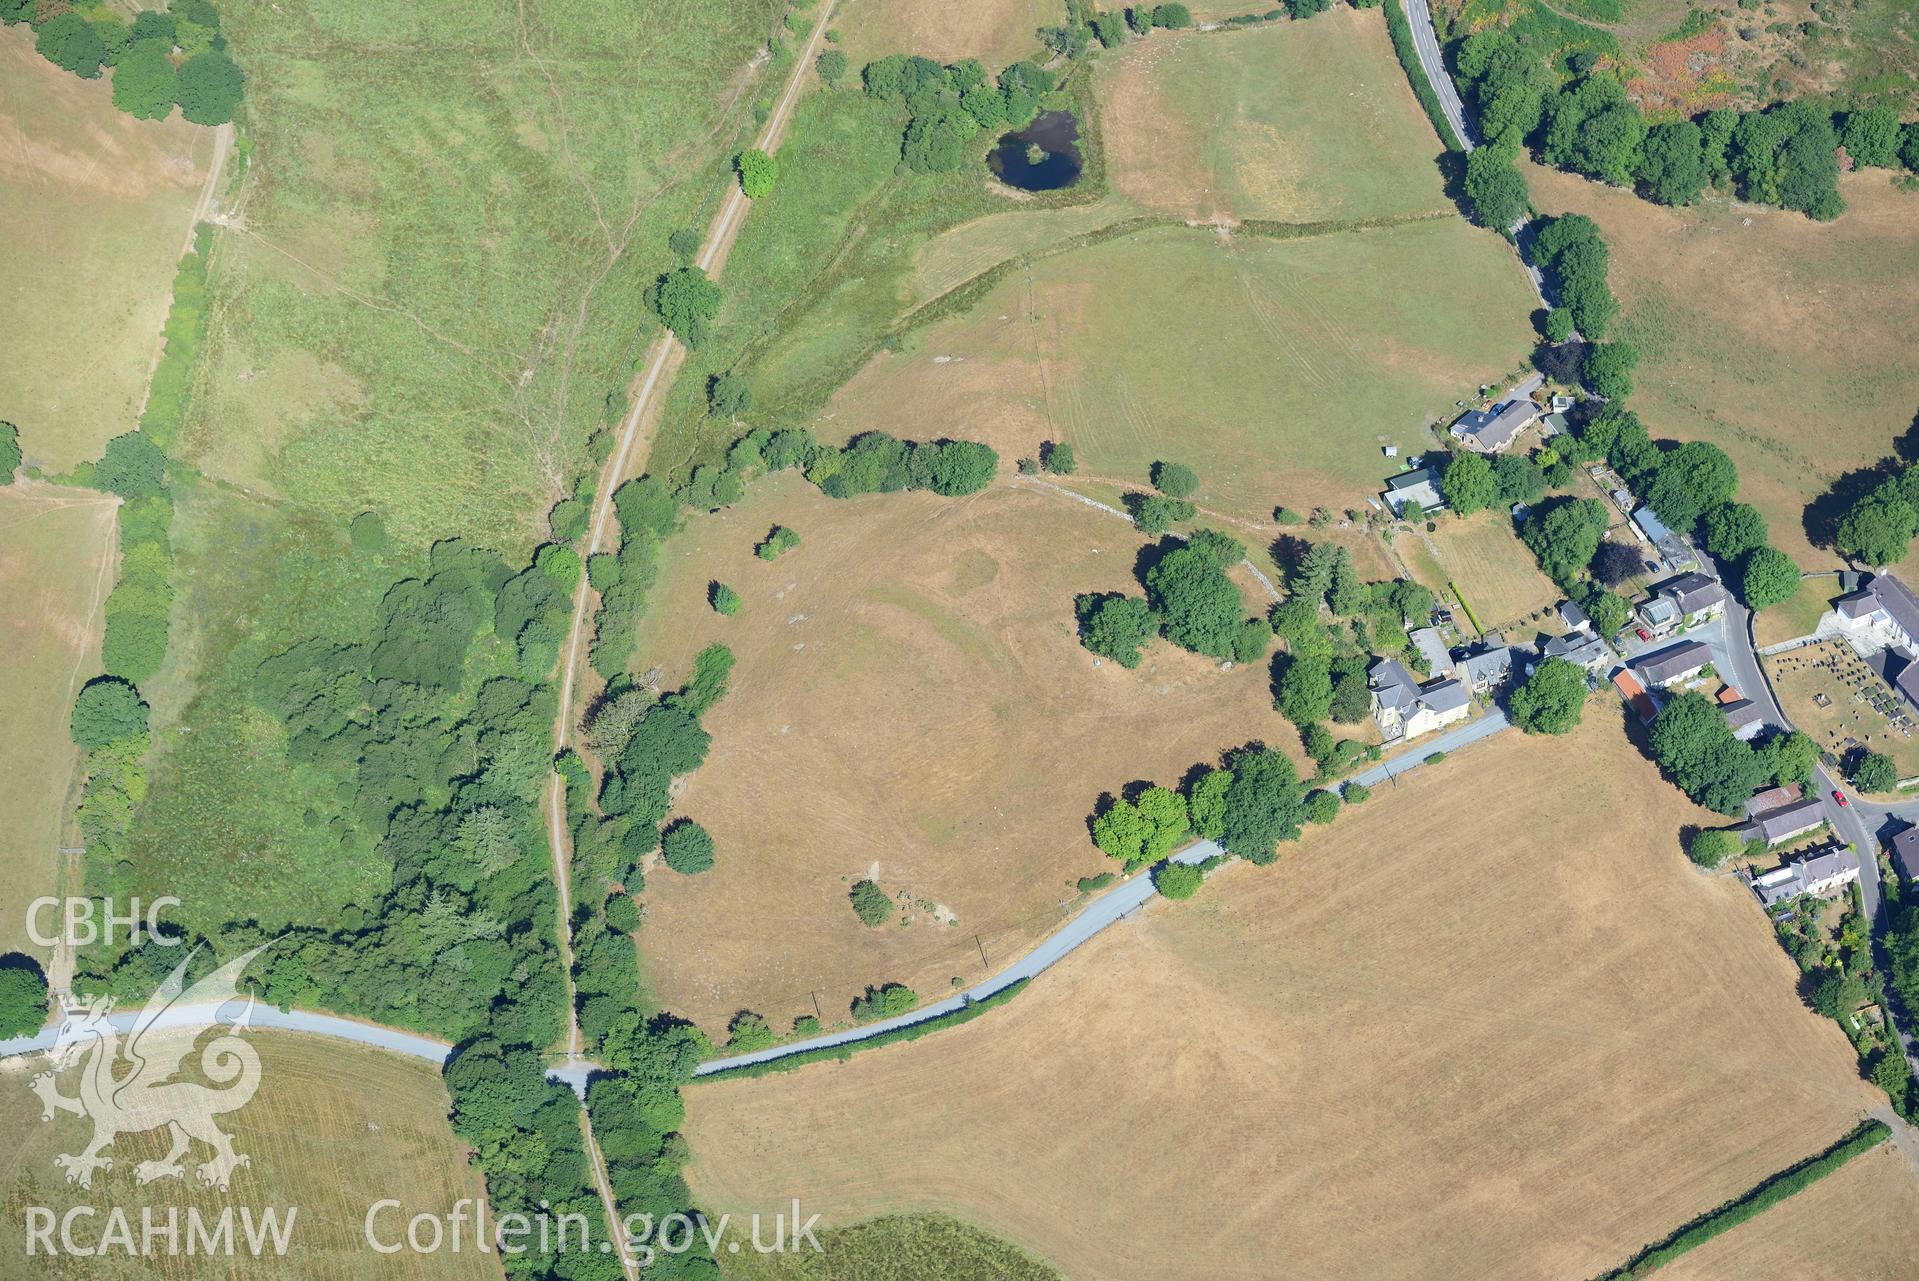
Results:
134 466
948 107
175 56
1785 154
1087 26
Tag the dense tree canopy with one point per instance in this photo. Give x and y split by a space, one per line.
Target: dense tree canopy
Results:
687 302
1199 607
1693 478
107 710
209 88
1551 699
1768 578
1692 741
1468 484
71 43
1564 534
23 996
1263 805
1115 626
758 172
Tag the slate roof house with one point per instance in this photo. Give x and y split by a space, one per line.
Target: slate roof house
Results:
1668 667
1487 669
1671 547
1782 824
1885 614
1696 596
1744 718
1421 486
1403 708
1580 648
1905 853
1819 872
1575 618
1659 614
1487 431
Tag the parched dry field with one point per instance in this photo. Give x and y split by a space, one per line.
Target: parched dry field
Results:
1490 568
997 32
910 697
1786 342
56 561
1490 1024
96 205
1854 1225
333 1129
1277 368
1292 121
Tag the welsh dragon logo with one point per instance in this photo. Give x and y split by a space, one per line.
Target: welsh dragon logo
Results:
128 1087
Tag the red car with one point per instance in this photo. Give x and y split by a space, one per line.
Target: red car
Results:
1840 796
1642 633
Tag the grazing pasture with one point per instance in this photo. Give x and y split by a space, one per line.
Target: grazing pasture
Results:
1276 368
57 557
997 32
96 205
333 1129
1291 121
911 705
1511 1013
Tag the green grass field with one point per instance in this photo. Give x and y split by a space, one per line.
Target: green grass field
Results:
451 220
389 333
56 551
96 206
1216 125
1276 368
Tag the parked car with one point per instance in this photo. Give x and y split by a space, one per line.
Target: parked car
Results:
1642 633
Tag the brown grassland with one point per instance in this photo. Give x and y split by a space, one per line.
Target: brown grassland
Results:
1490 1024
997 32
1854 1225
95 204
910 696
1786 342
56 560
1214 126
333 1129
1489 566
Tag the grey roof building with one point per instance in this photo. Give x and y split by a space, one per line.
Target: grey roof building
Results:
1439 660
1421 486
1393 685
1583 648
1817 873
1784 823
1671 547
1744 718
1886 607
1674 663
1444 696
1490 430
1905 853
1489 667
1575 618
1693 593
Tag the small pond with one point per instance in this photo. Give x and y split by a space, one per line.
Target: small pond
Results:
1044 156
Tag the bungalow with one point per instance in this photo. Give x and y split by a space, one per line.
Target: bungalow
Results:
1698 597
1415 488
1487 431
1770 827
1672 549
1670 666
1905 853
1884 615
1820 872
1403 708
1583 649
1488 669
1636 696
